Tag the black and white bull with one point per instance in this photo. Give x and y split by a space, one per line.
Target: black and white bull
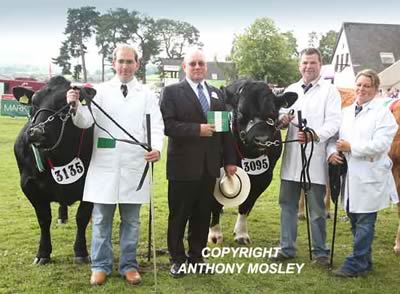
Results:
255 126
53 156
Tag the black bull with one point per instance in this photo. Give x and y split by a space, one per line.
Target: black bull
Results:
256 129
57 142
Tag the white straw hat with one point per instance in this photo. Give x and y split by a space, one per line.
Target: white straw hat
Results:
233 190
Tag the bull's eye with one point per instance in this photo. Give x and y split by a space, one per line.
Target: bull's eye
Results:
270 122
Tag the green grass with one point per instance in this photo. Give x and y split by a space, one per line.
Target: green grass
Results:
20 234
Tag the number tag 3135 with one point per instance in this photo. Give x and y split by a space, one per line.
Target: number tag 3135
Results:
255 166
68 173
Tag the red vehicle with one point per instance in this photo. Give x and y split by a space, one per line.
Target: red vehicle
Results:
7 85
8 105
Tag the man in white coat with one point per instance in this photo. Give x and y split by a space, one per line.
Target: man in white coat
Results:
365 136
319 102
116 167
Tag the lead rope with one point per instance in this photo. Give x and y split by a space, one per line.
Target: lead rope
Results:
134 141
305 181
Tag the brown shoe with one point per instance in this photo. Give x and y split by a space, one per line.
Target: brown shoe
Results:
133 278
98 278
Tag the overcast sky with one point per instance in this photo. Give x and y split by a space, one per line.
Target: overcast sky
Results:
31 32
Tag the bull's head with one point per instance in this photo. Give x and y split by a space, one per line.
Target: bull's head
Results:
256 111
50 112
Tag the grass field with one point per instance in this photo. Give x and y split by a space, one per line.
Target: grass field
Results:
20 235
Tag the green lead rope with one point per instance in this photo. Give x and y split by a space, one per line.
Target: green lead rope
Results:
38 159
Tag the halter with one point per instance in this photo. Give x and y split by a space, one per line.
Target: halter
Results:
62 116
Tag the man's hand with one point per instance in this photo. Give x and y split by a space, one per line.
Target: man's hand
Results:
73 98
342 145
286 119
206 130
230 169
152 156
335 158
301 136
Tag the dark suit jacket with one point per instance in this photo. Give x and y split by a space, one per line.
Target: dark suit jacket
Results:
188 153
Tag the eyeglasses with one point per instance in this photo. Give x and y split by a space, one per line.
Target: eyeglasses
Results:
126 61
199 63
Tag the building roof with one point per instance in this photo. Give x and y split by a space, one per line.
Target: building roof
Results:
367 40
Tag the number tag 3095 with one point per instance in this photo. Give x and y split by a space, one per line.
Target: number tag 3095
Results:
255 166
69 173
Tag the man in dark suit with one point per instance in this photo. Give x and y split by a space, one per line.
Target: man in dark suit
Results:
195 154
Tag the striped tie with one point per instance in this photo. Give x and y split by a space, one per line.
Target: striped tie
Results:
202 98
306 87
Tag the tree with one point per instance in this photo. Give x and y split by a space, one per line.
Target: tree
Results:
263 53
63 60
142 30
109 32
80 27
327 45
313 39
175 35
292 43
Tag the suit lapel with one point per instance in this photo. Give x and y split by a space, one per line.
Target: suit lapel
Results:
212 99
192 96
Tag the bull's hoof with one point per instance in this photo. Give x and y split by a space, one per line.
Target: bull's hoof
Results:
61 221
328 215
81 259
215 235
301 216
41 260
396 249
243 240
215 240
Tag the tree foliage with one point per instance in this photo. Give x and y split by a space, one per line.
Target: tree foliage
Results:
80 28
313 39
327 45
110 29
175 35
63 60
264 53
151 37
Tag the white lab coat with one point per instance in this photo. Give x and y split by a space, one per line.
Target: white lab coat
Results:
320 106
114 173
369 183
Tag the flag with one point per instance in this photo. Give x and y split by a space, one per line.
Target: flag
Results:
220 119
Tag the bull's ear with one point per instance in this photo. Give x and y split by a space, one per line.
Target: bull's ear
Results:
23 95
229 98
86 94
286 99
227 103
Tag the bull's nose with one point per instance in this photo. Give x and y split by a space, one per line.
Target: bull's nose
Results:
35 133
261 139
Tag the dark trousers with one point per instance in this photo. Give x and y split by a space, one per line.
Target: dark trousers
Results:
189 202
363 230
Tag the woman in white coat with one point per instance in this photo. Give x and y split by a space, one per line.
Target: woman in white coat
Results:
366 133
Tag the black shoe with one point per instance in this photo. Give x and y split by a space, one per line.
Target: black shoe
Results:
280 257
177 270
343 274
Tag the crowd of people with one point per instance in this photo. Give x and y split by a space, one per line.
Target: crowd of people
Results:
358 135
